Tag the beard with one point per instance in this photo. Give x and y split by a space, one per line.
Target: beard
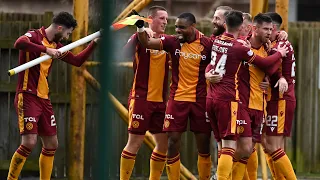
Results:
181 38
218 29
57 37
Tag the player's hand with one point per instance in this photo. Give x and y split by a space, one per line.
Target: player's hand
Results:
283 85
213 78
96 40
282 36
170 63
149 32
264 86
245 43
268 46
139 23
283 50
54 53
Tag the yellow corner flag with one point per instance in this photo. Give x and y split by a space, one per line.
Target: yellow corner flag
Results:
131 20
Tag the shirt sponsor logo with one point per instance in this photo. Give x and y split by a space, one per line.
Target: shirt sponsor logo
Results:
30 119
137 116
155 52
189 55
169 116
241 122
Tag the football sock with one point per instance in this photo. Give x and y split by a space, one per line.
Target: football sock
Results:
126 164
17 162
46 163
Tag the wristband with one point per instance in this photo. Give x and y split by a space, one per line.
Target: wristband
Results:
140 30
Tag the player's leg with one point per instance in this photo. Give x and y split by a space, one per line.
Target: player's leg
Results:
210 115
225 162
138 122
49 146
200 126
47 129
173 155
28 110
129 154
244 144
252 166
159 154
175 124
28 141
204 157
243 152
227 114
268 156
278 125
256 124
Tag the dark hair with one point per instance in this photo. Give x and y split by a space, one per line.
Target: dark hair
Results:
247 16
276 18
65 19
154 9
189 17
234 19
226 8
261 18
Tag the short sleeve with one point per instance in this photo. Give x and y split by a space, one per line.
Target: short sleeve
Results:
168 42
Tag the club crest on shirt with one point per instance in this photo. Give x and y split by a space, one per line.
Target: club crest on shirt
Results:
135 124
29 126
166 123
200 47
240 129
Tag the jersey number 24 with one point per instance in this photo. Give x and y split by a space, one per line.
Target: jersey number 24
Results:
220 67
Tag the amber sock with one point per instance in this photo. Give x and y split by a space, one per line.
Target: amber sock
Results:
126 164
17 161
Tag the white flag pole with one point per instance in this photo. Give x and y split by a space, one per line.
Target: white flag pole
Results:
46 57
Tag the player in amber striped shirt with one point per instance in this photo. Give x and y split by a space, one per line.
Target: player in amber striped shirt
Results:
222 108
252 96
147 99
32 103
280 108
190 53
